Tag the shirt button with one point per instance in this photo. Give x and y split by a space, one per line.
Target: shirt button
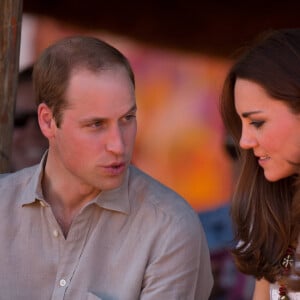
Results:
55 233
62 282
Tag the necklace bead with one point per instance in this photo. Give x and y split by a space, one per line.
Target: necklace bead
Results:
286 264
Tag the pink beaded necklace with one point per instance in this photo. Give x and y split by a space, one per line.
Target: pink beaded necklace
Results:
286 265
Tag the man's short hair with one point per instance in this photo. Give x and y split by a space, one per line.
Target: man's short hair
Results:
55 65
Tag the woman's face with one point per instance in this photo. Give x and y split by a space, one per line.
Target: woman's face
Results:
269 128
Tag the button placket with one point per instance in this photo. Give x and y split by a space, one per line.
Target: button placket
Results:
55 233
62 282
42 203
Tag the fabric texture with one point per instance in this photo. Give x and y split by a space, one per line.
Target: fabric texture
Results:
139 241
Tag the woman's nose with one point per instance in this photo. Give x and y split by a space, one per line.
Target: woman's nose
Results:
247 141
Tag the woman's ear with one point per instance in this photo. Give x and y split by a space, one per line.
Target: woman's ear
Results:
46 121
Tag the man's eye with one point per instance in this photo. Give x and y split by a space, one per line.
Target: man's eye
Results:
257 124
129 117
96 124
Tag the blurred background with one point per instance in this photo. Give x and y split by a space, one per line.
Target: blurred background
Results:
180 52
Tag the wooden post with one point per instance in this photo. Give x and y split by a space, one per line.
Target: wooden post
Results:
10 36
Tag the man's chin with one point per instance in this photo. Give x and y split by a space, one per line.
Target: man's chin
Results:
113 183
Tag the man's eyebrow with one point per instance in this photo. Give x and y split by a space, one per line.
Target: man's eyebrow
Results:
248 114
132 109
92 120
100 119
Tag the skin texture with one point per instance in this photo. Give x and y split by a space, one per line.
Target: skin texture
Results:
91 150
269 128
262 290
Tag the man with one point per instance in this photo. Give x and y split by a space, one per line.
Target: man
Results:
85 223
28 144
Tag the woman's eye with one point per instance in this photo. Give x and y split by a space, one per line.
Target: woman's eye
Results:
257 124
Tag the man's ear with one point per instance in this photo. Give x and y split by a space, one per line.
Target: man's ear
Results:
46 120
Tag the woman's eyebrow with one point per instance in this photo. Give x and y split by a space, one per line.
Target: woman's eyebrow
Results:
248 114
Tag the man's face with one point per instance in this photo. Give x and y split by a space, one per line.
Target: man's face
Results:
94 144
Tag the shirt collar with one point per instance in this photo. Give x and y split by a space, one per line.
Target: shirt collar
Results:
33 190
116 199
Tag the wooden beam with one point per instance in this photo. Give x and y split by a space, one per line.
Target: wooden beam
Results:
10 36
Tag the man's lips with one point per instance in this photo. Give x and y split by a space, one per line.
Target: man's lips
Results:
115 168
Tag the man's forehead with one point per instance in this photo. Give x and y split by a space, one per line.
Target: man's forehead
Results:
96 71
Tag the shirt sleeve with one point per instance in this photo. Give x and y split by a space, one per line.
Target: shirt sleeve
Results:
180 267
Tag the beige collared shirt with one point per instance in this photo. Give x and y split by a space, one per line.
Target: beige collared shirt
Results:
140 241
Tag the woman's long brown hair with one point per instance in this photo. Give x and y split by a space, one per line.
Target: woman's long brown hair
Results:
264 225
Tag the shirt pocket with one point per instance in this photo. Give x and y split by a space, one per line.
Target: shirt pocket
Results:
92 296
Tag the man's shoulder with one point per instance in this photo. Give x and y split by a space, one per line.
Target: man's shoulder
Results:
154 194
11 181
12 187
143 181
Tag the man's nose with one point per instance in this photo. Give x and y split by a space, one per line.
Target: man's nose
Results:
115 141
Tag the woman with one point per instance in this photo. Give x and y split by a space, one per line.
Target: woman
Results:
260 106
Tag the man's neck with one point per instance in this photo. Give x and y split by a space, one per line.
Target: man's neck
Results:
66 197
